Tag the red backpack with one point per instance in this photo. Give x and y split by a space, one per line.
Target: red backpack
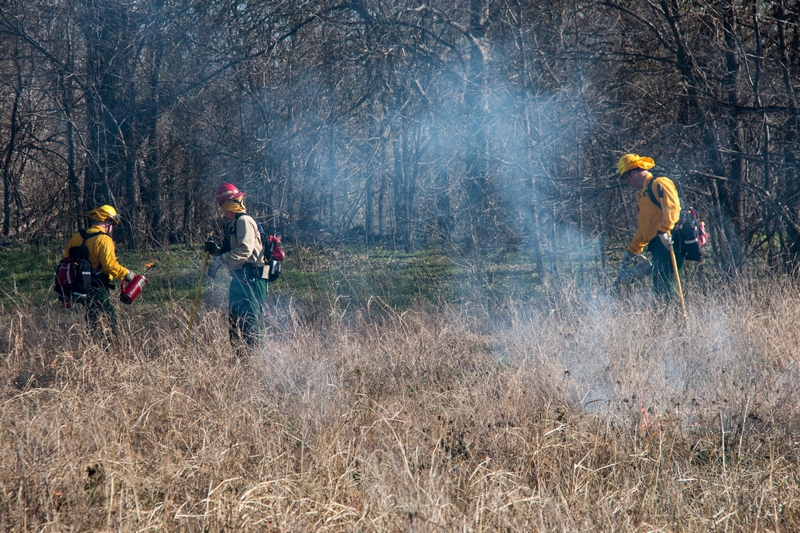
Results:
74 274
273 256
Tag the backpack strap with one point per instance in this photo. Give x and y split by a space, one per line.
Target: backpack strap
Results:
649 190
653 196
231 231
258 225
85 235
238 216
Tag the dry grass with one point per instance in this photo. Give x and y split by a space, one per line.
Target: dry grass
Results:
580 415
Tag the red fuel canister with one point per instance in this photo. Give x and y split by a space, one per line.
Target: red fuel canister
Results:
130 291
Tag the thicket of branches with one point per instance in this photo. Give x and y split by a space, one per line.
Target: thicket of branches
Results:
403 122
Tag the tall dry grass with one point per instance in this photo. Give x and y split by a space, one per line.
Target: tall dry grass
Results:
579 414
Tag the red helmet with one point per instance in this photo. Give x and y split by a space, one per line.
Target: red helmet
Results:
227 191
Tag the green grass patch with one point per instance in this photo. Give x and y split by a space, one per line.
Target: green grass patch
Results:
341 278
364 278
27 271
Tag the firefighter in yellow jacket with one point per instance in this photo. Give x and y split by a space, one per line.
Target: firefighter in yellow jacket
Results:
659 211
105 267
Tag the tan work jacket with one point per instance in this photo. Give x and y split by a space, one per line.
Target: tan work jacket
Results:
244 243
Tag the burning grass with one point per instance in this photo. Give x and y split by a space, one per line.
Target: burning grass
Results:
577 415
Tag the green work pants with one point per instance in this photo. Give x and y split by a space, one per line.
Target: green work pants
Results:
246 309
664 285
100 308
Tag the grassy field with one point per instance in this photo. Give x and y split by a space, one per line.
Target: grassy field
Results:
401 393
351 277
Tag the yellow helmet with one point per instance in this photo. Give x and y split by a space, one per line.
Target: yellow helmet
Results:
630 161
103 213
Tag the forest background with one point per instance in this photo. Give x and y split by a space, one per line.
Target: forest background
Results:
406 124
445 350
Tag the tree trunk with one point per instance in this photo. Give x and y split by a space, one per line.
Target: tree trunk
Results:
9 153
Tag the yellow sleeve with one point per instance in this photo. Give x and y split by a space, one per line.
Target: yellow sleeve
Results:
638 243
645 212
107 257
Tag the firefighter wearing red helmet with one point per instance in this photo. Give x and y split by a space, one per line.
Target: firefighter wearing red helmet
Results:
105 267
241 253
227 192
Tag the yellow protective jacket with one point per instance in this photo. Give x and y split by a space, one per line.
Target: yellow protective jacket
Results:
102 253
653 219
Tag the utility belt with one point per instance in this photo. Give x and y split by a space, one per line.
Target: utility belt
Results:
100 280
655 245
249 272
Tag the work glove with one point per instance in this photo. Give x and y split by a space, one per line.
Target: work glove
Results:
211 247
627 256
214 267
665 239
129 276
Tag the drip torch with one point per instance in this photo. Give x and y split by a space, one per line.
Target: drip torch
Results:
131 290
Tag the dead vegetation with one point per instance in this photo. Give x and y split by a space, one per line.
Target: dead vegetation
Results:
584 415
